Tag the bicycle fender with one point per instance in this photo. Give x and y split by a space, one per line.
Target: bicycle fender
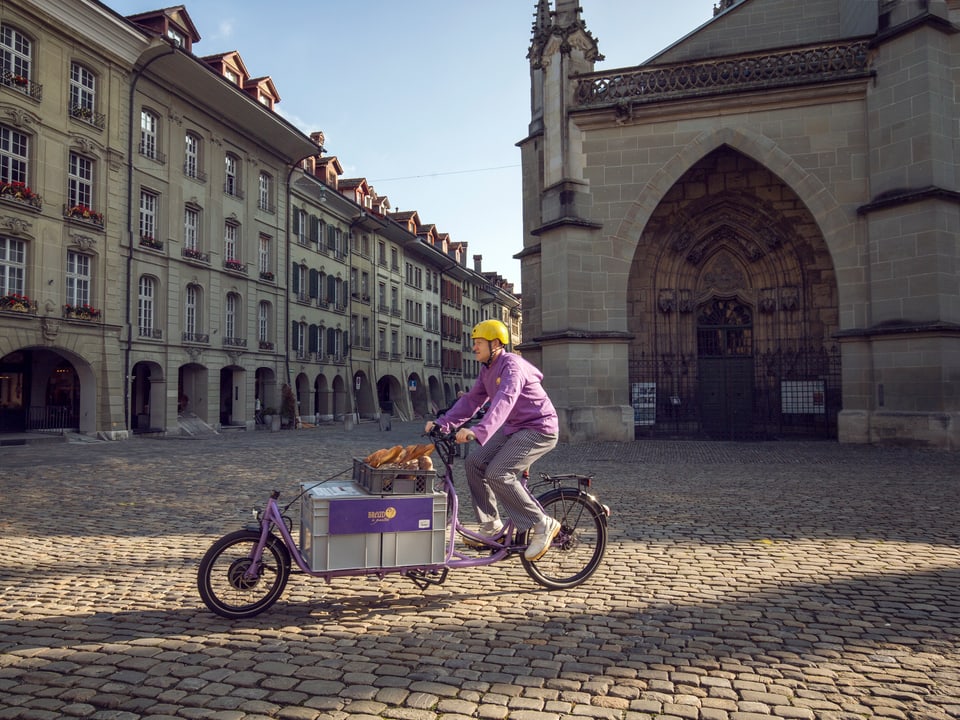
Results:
598 507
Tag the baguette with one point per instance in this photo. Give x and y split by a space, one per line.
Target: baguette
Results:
406 455
375 459
419 451
392 454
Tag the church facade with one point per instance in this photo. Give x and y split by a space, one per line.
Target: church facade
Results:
753 234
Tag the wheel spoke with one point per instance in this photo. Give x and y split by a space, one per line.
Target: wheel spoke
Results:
578 550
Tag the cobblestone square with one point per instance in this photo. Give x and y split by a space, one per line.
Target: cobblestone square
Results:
742 581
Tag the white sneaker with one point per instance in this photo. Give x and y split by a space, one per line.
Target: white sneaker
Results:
543 534
490 532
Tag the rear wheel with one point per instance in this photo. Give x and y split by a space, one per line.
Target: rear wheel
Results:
577 550
222 576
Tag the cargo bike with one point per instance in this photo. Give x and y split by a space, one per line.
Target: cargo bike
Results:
385 521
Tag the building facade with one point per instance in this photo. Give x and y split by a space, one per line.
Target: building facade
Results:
173 252
752 234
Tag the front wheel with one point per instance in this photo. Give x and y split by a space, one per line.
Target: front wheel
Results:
577 550
222 576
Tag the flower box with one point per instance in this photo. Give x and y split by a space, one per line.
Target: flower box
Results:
14 302
195 254
19 192
81 312
85 214
149 242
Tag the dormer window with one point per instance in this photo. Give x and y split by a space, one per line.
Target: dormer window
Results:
176 37
230 75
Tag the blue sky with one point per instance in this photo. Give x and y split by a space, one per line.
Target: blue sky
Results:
424 98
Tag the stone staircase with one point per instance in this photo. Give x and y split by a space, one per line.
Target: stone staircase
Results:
193 426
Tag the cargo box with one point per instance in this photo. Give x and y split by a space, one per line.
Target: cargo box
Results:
343 527
393 481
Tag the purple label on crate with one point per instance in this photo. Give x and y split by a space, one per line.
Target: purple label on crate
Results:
379 515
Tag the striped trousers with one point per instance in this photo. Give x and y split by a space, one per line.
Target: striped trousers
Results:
494 472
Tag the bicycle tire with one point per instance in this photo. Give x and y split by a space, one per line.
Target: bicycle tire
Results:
220 579
577 551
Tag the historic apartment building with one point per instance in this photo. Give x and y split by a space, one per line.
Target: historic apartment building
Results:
173 252
754 233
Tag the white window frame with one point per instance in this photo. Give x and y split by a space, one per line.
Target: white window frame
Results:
303 229
78 278
80 181
83 89
146 292
191 155
231 241
149 131
264 187
191 228
14 155
230 315
191 310
16 52
263 321
299 338
13 254
231 182
263 254
149 205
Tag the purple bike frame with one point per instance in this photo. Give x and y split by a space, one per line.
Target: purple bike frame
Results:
499 550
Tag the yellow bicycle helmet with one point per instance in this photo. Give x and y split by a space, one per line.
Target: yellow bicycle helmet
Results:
491 330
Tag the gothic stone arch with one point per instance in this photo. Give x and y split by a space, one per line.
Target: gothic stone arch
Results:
752 241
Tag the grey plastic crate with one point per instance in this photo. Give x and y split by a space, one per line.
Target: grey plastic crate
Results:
325 550
393 481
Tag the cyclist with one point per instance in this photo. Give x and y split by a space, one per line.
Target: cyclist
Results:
519 427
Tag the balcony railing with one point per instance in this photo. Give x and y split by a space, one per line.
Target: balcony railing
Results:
235 266
231 189
81 312
151 243
151 153
84 215
194 254
21 84
195 337
20 194
266 275
266 345
234 342
88 116
194 173
150 333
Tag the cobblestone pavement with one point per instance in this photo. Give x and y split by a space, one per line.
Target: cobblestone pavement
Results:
742 582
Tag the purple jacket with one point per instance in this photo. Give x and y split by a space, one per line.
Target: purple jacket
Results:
517 400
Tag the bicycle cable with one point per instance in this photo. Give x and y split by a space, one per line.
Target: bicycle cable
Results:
316 484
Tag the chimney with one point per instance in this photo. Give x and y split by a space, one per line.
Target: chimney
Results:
477 262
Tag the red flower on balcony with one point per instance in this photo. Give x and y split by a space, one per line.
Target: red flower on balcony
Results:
15 301
82 212
83 311
17 190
